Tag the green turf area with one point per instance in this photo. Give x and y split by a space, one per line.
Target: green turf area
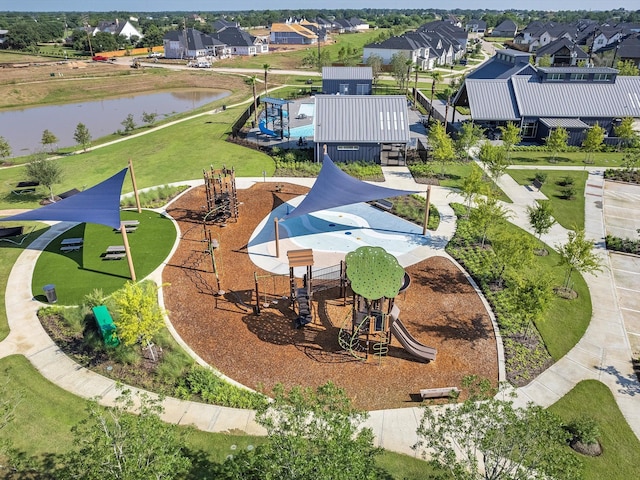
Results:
158 159
9 253
568 213
75 274
571 159
620 459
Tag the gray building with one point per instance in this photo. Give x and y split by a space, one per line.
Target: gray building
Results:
347 80
370 128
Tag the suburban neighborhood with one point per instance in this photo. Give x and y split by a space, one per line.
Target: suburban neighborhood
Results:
320 243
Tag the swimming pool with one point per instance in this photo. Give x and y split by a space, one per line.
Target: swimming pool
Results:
303 131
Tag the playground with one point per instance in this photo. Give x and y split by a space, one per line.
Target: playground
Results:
239 317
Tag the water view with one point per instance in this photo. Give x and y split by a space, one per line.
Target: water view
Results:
23 128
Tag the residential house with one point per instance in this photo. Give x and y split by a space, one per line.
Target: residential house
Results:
292 34
507 28
359 24
347 80
606 36
563 53
371 128
575 98
476 26
192 43
118 27
629 49
3 36
344 26
447 30
222 23
418 53
240 42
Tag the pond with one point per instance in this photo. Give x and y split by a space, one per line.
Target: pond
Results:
23 128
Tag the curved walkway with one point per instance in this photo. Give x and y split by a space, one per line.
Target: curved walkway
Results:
603 353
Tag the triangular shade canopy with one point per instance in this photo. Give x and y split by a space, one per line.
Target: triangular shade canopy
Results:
99 204
335 188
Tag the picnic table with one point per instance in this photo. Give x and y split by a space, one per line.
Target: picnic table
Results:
130 223
115 248
72 241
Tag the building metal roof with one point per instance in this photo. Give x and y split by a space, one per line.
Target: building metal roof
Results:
347 73
361 119
563 122
567 99
491 100
577 70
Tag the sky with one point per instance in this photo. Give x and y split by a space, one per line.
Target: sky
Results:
208 5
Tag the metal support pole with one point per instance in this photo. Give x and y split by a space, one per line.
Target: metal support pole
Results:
275 224
426 210
127 250
135 186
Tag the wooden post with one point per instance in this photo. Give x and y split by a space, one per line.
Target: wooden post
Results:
275 224
127 250
135 186
426 210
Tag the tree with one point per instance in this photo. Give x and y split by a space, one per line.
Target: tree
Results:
488 215
626 132
149 118
495 159
510 137
531 296
577 254
5 148
593 142
152 36
375 61
442 145
435 77
472 186
82 136
252 81
114 443
48 138
627 68
139 315
399 69
266 67
557 141
468 137
45 172
541 217
512 250
488 438
544 60
129 124
311 434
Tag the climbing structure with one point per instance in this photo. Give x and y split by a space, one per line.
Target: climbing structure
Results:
301 296
222 196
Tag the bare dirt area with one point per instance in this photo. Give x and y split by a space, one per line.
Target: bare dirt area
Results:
65 82
440 309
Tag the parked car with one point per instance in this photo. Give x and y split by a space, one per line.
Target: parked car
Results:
100 58
155 55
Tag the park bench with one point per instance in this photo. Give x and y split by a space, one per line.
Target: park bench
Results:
427 393
114 256
383 204
537 184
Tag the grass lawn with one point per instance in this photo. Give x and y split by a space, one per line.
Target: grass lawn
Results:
43 421
158 159
75 274
568 213
571 159
621 448
9 253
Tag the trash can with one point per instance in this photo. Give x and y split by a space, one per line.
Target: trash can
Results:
50 292
224 107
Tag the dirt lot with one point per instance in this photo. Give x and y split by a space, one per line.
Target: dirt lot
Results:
440 309
60 82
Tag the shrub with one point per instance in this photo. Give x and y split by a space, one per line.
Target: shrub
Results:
584 430
541 176
155 197
568 192
566 181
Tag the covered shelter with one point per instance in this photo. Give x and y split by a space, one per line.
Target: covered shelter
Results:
99 204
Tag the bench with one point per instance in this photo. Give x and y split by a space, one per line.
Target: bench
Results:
115 249
130 223
72 241
70 248
383 204
427 393
537 184
114 256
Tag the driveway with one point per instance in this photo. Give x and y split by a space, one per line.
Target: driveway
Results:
622 219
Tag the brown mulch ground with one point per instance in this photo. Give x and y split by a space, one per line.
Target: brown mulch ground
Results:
440 309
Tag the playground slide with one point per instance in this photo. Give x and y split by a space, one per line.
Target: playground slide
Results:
266 131
409 343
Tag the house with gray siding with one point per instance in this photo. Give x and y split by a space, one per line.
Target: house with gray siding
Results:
347 80
370 128
575 98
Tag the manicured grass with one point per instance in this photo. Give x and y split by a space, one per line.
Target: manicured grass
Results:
621 449
9 253
572 159
568 213
75 274
179 152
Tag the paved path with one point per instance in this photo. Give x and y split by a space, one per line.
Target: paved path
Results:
603 353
